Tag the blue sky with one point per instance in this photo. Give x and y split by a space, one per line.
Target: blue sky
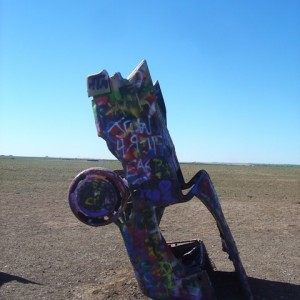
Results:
229 72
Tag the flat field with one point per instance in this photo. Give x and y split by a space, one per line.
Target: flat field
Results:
46 253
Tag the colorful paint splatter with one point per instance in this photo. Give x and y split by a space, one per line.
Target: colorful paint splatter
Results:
130 115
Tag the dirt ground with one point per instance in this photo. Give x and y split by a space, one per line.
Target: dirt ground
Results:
46 253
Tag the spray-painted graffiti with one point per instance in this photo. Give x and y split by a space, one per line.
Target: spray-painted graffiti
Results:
130 115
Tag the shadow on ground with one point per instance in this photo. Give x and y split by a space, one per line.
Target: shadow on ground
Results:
227 288
5 277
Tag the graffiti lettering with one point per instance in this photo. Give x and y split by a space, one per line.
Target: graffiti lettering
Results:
164 192
98 84
129 127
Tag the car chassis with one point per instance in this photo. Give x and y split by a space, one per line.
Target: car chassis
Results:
130 115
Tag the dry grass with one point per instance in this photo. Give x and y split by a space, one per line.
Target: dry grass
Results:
47 254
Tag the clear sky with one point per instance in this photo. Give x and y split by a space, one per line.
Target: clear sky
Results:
229 72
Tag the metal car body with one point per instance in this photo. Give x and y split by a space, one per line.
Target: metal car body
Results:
130 115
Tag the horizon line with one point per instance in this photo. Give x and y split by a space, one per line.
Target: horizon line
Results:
249 164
